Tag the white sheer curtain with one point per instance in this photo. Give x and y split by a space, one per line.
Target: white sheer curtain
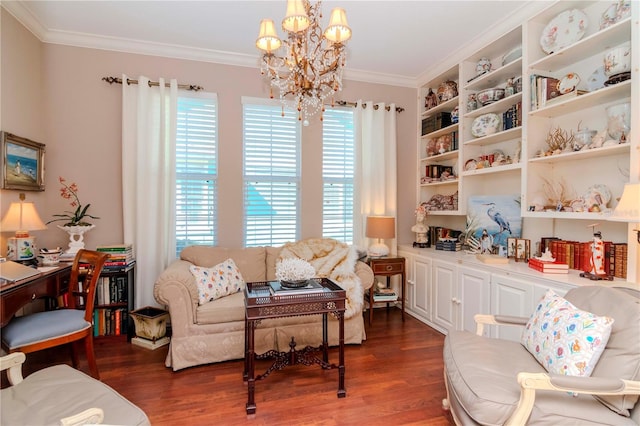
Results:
377 176
149 117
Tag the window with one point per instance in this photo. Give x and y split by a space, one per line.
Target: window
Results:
271 174
338 162
196 171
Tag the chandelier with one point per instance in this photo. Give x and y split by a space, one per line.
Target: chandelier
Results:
310 69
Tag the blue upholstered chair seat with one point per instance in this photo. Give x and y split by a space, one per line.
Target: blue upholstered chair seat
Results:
42 326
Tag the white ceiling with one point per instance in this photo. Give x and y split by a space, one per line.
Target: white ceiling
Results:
393 41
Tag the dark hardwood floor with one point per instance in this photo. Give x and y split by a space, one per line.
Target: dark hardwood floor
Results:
394 378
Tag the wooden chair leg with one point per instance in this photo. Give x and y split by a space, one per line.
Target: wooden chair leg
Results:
73 348
91 357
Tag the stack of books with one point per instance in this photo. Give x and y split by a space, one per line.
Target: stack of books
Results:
548 267
120 257
448 245
384 295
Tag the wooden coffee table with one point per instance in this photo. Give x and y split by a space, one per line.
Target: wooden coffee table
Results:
261 303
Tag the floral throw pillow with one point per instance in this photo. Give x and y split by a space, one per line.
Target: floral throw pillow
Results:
564 339
218 281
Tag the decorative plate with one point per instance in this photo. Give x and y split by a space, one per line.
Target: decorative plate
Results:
596 79
615 13
568 83
512 55
470 165
486 124
564 30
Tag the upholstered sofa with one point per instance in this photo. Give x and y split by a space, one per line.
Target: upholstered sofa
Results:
214 331
495 382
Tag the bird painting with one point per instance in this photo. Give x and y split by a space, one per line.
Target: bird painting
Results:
497 217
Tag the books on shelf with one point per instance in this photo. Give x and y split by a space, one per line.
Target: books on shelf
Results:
110 321
548 267
384 295
578 255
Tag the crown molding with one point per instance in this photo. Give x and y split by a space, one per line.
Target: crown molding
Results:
68 38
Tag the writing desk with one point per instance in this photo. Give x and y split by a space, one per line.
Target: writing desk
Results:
15 295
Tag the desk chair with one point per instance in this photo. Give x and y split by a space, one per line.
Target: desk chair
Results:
70 324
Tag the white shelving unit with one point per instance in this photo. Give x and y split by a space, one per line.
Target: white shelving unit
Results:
529 172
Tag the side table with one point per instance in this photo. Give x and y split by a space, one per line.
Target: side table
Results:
387 267
261 303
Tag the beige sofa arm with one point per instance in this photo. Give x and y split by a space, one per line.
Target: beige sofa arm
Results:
365 273
176 289
486 319
530 382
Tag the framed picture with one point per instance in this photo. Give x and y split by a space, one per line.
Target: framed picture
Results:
22 163
523 247
511 247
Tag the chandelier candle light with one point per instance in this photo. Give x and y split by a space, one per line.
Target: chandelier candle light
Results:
311 69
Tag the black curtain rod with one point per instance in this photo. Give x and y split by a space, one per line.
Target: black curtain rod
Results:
375 106
118 80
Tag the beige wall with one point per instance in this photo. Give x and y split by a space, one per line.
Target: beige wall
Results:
64 104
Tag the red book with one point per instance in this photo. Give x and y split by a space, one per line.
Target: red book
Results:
548 267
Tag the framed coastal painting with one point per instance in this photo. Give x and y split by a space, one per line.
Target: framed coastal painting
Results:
495 218
22 163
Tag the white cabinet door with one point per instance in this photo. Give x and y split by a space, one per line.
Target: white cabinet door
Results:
422 275
444 294
472 297
510 296
410 289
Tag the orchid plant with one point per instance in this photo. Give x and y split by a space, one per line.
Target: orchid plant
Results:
73 218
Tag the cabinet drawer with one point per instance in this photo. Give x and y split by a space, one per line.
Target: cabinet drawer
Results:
388 267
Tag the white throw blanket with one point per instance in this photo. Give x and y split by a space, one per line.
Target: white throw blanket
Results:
334 260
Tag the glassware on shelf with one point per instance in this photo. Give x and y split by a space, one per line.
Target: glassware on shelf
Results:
619 121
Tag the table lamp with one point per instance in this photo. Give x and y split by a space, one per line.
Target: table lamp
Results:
21 217
628 208
380 227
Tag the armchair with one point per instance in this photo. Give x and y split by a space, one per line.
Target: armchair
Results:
61 395
495 382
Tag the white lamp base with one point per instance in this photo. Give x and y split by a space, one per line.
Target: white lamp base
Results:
378 250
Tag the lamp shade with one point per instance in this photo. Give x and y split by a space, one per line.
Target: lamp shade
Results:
628 209
296 19
268 38
381 227
22 217
338 30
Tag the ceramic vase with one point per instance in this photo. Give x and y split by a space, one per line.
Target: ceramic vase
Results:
76 236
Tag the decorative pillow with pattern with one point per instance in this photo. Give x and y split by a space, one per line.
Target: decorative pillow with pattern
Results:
218 281
564 339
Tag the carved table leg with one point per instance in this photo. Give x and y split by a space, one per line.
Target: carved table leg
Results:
250 360
342 392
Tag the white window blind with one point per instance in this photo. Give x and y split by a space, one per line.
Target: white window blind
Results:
271 174
196 171
338 162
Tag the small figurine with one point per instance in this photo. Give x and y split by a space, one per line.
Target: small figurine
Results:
510 89
596 261
486 242
430 100
472 103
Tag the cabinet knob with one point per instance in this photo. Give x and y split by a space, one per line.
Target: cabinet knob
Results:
389 267
33 296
